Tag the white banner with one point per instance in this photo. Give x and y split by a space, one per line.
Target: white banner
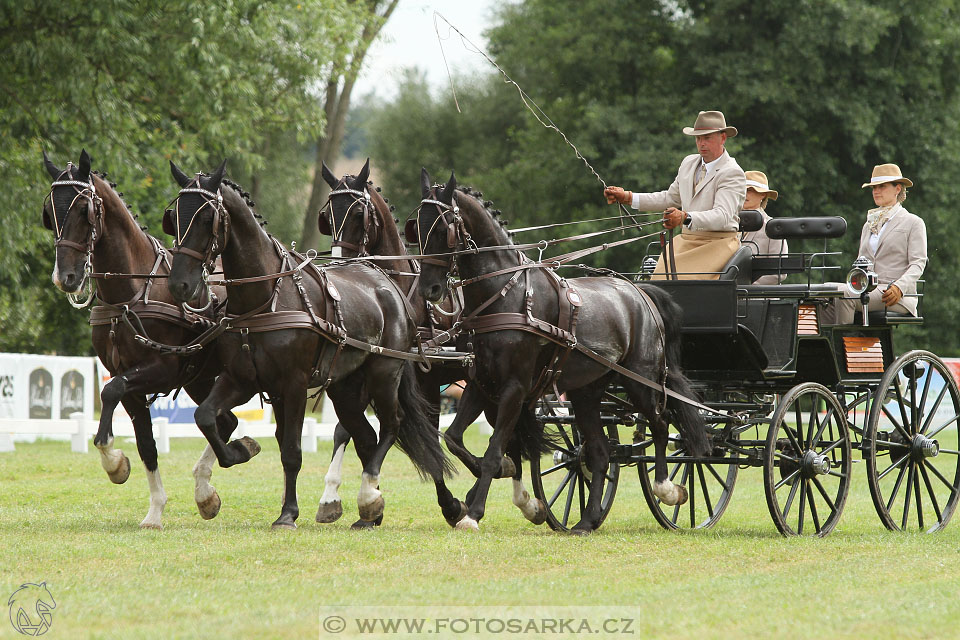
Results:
50 387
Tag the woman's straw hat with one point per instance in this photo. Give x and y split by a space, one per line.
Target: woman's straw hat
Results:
883 173
757 180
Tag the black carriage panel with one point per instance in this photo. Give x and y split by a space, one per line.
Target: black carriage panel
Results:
774 323
709 306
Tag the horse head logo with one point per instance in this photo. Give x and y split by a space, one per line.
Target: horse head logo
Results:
31 609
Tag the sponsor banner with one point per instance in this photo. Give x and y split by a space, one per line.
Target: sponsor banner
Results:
180 411
35 386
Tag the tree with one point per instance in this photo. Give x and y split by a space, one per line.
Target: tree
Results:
137 84
821 92
371 15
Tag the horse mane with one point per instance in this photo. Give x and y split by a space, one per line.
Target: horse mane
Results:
246 199
487 206
113 185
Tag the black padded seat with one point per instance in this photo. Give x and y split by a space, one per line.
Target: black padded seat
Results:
739 266
887 317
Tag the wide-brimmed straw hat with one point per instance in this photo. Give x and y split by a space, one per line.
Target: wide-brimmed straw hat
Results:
883 173
757 180
710 122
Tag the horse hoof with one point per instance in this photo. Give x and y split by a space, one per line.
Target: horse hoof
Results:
210 507
507 468
541 515
248 444
580 532
460 516
151 525
364 525
283 523
681 495
121 473
467 523
329 512
372 511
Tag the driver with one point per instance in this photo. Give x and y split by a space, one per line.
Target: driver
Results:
705 197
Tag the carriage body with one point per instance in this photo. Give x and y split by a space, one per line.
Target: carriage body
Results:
794 397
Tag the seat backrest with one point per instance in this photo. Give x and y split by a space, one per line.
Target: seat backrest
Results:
738 267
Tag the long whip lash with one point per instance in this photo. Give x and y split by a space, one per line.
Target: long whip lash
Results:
528 102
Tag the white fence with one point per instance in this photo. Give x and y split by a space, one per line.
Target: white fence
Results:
80 429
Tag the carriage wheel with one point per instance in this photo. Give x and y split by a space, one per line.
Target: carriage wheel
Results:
911 445
561 478
709 486
807 462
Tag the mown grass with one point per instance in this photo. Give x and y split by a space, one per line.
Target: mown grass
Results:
62 521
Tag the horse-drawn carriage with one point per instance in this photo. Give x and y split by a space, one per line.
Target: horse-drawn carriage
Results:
787 394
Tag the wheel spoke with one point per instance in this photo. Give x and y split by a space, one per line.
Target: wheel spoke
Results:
569 502
823 492
560 488
812 419
836 474
937 473
562 465
896 487
916 492
933 409
813 509
706 492
894 422
832 446
786 480
822 423
903 409
581 493
926 389
802 509
567 439
906 498
893 466
933 496
676 468
716 475
789 502
689 481
943 426
786 457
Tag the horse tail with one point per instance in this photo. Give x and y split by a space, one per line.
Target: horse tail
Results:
417 435
534 441
684 416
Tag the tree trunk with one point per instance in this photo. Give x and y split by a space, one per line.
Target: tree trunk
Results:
336 107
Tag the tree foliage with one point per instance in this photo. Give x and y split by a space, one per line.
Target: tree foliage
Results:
820 91
138 83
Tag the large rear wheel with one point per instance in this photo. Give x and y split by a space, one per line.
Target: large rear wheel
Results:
911 445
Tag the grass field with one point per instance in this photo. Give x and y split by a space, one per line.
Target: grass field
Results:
63 522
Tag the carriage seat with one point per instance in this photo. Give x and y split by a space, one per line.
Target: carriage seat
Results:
739 266
810 227
886 317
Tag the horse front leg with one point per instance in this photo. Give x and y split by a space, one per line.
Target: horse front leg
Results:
224 396
532 508
136 407
508 411
472 404
292 406
113 461
204 494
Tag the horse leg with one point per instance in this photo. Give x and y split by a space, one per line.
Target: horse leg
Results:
669 493
596 450
471 405
139 413
508 411
365 444
532 509
113 461
331 508
224 396
292 405
204 494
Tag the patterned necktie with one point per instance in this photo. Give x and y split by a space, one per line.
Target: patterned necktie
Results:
700 175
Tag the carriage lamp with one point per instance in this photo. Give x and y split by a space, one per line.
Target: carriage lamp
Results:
649 264
862 279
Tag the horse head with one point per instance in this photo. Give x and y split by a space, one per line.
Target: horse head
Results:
350 217
437 230
200 226
72 211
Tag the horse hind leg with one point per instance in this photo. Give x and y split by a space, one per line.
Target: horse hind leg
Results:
532 508
136 408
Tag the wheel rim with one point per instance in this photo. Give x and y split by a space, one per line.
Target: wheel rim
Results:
561 480
709 486
913 457
807 462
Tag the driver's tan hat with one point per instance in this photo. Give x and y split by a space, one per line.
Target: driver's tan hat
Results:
710 122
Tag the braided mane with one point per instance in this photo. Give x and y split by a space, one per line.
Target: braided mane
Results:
246 198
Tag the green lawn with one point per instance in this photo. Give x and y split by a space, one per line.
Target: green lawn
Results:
63 522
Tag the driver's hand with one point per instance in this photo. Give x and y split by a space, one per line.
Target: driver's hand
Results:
617 195
673 217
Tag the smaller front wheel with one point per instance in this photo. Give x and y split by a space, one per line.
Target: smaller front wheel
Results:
807 462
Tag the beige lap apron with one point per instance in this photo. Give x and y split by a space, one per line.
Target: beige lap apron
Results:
700 255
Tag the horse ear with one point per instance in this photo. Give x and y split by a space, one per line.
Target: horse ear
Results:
363 175
447 195
410 231
424 183
323 224
182 179
217 176
84 165
328 176
51 168
47 222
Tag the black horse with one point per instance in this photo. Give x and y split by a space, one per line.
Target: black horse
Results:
517 358
95 231
291 327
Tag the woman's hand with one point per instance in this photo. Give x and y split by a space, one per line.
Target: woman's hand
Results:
892 295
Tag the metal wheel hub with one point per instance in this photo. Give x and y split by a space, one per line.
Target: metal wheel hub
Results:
815 464
924 447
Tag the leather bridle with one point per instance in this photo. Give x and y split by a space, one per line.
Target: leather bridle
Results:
329 226
88 191
456 233
221 221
